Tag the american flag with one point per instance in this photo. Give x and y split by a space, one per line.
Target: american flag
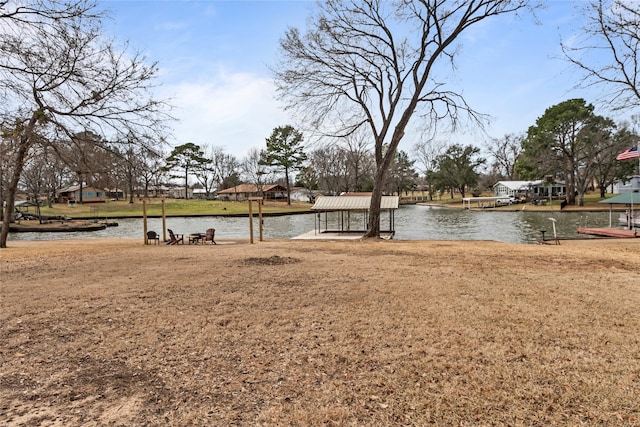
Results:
631 153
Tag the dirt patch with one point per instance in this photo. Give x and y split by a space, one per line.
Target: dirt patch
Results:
113 332
272 260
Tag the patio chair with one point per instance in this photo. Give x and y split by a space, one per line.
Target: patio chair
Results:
152 238
175 239
210 235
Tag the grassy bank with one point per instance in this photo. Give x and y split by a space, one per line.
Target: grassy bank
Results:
172 207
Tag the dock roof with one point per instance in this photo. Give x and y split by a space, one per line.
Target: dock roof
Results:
623 199
353 203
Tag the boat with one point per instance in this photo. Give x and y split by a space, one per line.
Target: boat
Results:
630 219
55 227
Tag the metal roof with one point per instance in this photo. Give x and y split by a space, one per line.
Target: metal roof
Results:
518 185
624 199
352 203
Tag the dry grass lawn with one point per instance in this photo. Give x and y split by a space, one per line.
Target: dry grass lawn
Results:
300 333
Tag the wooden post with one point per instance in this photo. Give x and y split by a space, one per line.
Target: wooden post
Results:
164 223
144 222
250 222
260 216
251 200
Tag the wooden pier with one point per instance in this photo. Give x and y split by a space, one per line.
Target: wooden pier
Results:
609 232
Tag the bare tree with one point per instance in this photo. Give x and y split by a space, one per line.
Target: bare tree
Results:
359 161
505 152
330 164
44 174
613 30
427 153
255 172
374 63
150 164
225 166
61 76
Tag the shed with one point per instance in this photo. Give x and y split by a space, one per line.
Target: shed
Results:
342 214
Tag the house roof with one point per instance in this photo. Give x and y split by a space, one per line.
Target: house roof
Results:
518 185
24 203
623 199
251 188
76 188
352 203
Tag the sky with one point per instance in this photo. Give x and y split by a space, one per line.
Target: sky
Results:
214 59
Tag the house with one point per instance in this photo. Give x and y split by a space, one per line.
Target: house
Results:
630 185
201 193
531 189
114 193
244 191
81 194
301 194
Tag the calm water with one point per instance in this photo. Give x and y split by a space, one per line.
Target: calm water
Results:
412 223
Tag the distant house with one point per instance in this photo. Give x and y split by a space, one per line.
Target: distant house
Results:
301 194
201 193
76 194
532 189
114 193
244 191
630 185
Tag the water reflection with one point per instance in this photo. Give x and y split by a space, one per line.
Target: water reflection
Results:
412 223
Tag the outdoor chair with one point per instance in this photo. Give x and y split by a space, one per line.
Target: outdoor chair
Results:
210 235
152 238
175 239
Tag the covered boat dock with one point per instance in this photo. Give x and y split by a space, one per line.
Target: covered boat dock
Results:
348 215
631 201
630 222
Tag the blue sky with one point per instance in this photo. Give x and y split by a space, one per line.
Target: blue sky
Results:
214 57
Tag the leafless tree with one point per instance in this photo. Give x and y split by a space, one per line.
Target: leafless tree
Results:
375 64
330 164
256 173
359 160
44 174
59 75
225 166
427 153
505 152
609 55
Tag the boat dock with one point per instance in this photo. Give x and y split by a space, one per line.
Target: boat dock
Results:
609 232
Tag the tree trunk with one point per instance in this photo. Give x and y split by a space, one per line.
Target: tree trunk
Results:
25 143
374 209
186 183
286 177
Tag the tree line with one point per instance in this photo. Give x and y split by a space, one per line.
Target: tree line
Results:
569 143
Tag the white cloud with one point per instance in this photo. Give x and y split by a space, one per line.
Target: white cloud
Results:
236 111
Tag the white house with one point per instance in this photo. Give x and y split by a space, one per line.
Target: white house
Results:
538 188
632 185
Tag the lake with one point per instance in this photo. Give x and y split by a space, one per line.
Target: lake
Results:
412 222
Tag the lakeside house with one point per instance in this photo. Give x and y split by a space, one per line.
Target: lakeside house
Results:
530 189
81 193
201 193
629 185
243 192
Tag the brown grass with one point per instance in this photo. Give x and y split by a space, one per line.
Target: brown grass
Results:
112 332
